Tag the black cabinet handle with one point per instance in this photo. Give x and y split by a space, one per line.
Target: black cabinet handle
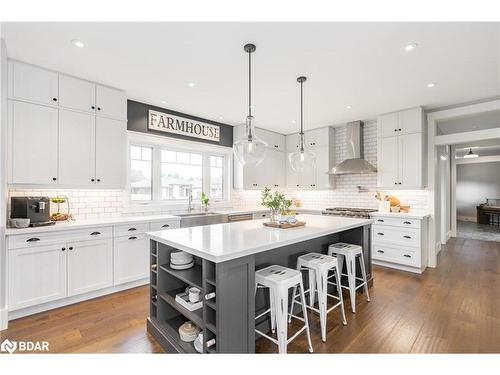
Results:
395 130
93 107
276 146
406 222
98 180
380 234
54 179
71 247
380 251
399 129
395 183
407 256
165 225
33 239
63 249
98 108
54 99
380 220
95 233
132 238
131 229
407 236
92 179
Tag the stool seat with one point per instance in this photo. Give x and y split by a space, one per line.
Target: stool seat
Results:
277 276
317 260
344 248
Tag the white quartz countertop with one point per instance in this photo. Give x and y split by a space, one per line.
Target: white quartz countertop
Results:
68 225
223 242
414 214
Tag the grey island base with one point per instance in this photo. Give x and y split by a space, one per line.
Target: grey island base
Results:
226 258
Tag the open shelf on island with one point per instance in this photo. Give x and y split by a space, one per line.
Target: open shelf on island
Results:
191 276
195 316
171 328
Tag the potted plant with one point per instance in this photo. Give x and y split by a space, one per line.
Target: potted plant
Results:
276 202
205 201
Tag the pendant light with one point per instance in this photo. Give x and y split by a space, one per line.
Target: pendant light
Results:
250 150
470 154
301 159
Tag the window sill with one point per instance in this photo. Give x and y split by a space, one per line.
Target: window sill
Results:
170 207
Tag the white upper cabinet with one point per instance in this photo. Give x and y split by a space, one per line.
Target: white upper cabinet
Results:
275 141
77 148
403 122
111 102
110 152
76 93
400 147
33 143
28 82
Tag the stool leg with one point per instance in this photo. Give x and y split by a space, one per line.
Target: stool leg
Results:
273 311
363 272
339 290
292 304
321 284
312 286
351 276
281 305
304 311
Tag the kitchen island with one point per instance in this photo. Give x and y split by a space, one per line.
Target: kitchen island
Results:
226 257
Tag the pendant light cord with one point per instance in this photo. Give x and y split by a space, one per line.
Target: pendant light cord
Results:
249 83
301 109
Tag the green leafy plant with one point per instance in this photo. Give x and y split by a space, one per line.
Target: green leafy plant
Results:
275 201
205 200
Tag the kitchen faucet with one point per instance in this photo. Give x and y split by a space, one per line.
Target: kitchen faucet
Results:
190 198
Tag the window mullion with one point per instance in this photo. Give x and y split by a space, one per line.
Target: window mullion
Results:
156 174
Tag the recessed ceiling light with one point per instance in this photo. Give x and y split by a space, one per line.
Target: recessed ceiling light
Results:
293 121
77 43
163 102
191 84
221 118
348 106
410 47
431 85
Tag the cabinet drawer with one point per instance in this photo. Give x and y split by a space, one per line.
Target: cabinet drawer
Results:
44 238
395 254
397 222
131 258
396 235
130 229
260 215
162 225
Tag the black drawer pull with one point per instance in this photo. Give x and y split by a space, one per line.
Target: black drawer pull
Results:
407 236
95 233
380 220
407 256
132 238
33 239
131 229
406 222
63 249
165 225
380 234
71 247
380 251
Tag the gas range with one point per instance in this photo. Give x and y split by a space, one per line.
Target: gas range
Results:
363 213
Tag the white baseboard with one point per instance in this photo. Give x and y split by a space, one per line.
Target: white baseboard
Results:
16 314
438 247
4 319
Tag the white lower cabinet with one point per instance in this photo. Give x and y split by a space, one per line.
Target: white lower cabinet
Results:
90 266
131 258
36 275
399 242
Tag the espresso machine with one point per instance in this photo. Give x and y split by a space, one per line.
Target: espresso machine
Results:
37 209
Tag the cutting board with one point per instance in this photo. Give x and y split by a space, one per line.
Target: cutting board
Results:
284 225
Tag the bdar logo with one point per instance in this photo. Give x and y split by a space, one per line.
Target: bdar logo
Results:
8 346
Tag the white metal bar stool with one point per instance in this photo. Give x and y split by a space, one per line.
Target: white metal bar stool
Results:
319 265
279 280
350 252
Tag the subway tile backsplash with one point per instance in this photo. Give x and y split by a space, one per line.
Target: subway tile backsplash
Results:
351 190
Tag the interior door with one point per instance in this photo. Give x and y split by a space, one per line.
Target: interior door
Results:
111 102
33 143
387 162
32 83
90 266
76 148
410 160
110 152
37 275
76 93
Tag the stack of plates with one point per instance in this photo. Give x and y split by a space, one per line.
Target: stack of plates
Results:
180 260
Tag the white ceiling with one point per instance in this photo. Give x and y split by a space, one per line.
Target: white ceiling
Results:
359 64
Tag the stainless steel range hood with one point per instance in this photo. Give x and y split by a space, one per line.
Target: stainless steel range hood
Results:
354 163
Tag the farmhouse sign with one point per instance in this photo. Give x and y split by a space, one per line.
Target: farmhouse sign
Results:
180 125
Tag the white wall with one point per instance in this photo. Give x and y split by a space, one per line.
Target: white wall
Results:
3 178
475 183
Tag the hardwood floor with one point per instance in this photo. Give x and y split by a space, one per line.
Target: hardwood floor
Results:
454 308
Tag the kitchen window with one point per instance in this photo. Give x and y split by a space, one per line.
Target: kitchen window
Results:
161 174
